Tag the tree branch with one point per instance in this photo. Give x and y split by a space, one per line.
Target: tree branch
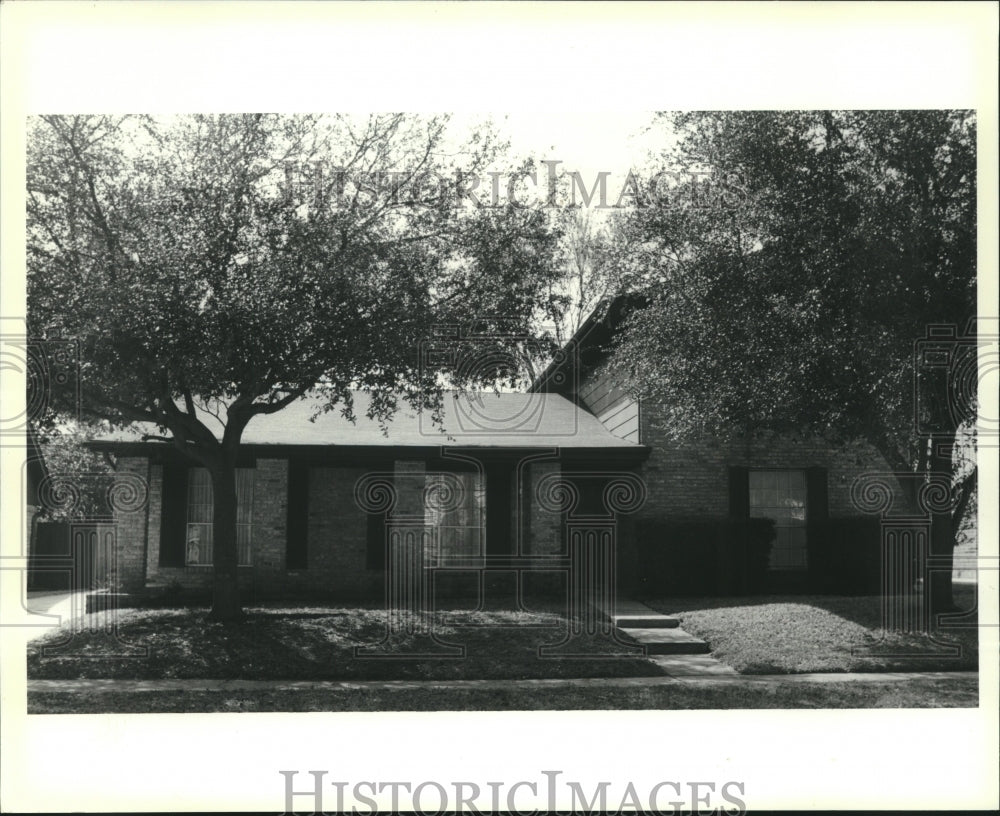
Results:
99 217
274 407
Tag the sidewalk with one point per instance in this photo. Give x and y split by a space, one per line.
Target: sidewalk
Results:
58 605
140 686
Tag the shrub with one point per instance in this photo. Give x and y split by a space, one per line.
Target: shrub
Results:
683 556
754 537
850 560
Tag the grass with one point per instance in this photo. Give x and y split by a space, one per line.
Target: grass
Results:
302 643
790 634
282 642
913 693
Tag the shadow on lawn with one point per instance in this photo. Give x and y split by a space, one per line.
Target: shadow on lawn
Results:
314 644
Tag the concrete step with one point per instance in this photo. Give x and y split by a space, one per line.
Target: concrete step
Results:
634 615
645 622
671 641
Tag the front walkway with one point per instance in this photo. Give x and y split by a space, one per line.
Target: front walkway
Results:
58 606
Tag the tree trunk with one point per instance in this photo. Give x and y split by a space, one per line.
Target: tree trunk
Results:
225 555
935 460
943 529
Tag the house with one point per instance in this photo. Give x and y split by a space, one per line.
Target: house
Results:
500 489
311 488
695 532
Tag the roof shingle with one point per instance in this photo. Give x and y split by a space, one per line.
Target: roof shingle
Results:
471 419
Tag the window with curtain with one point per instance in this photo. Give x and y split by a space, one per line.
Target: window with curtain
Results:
781 495
459 537
200 515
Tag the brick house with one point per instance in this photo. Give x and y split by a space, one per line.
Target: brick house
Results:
312 519
312 494
702 494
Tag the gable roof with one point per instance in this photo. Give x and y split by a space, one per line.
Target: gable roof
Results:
471 419
589 345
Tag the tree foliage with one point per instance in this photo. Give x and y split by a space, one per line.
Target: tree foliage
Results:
589 279
69 461
801 301
796 299
221 267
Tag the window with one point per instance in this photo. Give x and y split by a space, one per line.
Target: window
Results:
459 536
200 514
781 495
454 519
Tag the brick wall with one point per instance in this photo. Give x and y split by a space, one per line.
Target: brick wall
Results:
690 478
130 554
544 526
337 535
679 534
687 483
153 524
270 516
337 531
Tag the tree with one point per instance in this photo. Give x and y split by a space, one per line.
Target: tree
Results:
68 459
588 279
216 268
792 276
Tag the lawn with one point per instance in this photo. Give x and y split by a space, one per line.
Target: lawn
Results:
318 643
796 633
302 643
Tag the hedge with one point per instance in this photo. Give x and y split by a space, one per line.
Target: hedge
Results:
685 556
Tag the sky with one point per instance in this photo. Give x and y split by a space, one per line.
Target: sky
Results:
586 141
